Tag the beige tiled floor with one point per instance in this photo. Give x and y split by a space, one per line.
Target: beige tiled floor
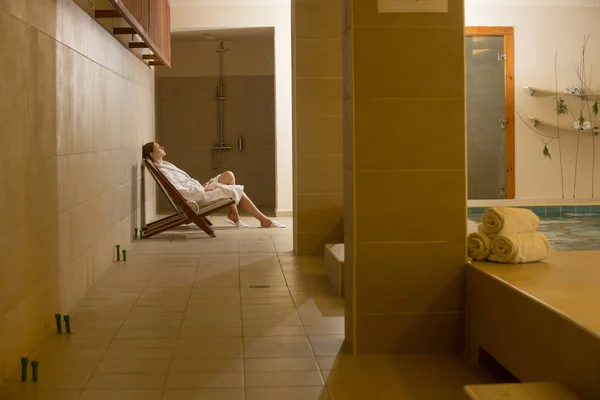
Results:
180 321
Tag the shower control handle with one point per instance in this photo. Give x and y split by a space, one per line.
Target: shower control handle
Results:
241 143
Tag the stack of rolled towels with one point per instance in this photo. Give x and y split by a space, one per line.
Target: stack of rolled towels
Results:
508 235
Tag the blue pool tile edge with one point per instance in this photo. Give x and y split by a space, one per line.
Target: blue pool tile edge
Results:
547 211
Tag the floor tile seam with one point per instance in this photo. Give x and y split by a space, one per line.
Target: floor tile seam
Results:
241 320
301 320
179 329
85 387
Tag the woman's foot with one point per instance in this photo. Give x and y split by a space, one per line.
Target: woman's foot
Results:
234 219
271 224
237 223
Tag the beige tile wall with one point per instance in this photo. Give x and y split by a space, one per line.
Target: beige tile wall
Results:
188 127
75 107
404 152
317 73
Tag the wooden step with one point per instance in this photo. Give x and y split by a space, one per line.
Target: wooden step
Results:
334 266
520 391
98 14
123 31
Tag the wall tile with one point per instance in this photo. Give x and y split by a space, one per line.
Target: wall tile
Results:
317 19
45 104
13 196
74 118
417 277
424 215
318 58
424 74
318 136
348 141
318 97
391 133
65 229
316 211
175 133
319 174
410 333
16 102
208 110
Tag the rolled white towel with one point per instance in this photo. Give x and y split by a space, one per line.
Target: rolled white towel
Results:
519 248
479 246
508 221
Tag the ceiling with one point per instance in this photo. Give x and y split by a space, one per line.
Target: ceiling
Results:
215 34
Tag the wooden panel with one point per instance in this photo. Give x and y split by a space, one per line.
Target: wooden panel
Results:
488 30
509 90
159 27
151 20
106 14
123 31
139 10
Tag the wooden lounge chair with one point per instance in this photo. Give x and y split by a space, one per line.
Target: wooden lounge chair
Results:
186 212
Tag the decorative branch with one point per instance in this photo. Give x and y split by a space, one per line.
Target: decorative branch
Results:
582 121
558 100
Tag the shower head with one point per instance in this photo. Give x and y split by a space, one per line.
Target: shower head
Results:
222 48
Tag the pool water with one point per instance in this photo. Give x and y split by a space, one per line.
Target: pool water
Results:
570 232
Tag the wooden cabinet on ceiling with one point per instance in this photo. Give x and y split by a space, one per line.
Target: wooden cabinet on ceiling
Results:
151 20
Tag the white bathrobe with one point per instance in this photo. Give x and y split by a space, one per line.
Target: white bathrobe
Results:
193 190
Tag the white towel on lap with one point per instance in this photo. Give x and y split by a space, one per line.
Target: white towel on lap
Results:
507 221
479 246
519 248
222 190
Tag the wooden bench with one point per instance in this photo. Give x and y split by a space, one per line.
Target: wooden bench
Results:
186 212
520 391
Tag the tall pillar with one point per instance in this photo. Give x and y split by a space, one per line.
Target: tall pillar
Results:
317 73
405 181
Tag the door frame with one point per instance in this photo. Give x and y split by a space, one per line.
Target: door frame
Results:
509 94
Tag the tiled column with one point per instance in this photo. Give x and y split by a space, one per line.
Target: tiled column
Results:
404 168
317 70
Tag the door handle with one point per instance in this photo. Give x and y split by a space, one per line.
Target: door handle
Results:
503 123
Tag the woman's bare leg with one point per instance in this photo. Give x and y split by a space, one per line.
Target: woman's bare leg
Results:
228 178
247 205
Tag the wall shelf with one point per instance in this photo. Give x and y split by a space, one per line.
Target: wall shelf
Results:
150 20
551 93
536 122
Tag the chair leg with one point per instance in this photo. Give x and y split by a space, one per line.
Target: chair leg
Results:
201 223
156 229
172 216
208 221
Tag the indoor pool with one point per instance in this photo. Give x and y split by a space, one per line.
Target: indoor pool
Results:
572 231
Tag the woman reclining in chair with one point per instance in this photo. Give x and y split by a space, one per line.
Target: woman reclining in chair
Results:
220 187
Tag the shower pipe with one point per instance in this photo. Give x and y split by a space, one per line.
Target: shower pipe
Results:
221 145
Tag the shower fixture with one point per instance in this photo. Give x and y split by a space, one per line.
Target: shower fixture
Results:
221 145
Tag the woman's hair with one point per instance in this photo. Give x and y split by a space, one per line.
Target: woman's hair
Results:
147 149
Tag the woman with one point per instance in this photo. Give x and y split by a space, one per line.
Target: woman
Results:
220 187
